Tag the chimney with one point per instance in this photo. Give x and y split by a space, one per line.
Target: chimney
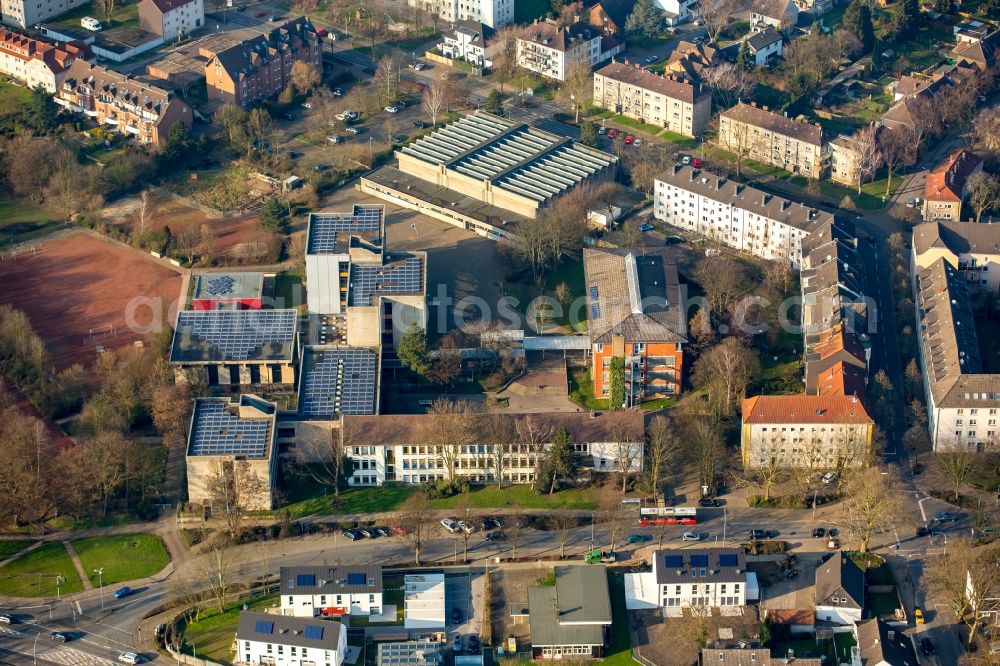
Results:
765 107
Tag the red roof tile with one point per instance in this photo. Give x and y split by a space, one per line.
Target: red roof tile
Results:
804 409
947 181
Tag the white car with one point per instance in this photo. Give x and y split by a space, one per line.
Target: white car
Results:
419 66
686 159
829 477
335 139
392 109
307 105
354 130
336 92
466 527
129 658
450 524
690 536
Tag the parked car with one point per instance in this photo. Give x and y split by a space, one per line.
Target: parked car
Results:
923 531
456 643
129 658
468 528
612 132
829 477
918 616
675 240
456 615
350 534
946 517
123 592
274 18
771 534
335 139
392 108
650 59
337 92
473 644
686 159
419 66
602 130
639 538
708 502
696 163
369 533
450 524
646 227
307 105
383 531
7 619
419 124
320 167
496 536
758 534
927 647
491 523
59 636
690 536
259 13
819 532
629 139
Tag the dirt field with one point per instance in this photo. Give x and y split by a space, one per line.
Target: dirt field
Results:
77 283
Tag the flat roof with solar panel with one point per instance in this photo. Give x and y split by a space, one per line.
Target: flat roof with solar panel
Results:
330 233
397 275
303 632
409 653
241 428
227 286
234 335
705 565
517 158
344 579
336 381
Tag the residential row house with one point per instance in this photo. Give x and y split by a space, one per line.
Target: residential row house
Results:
690 61
636 312
36 62
551 50
171 19
493 13
765 45
947 185
331 591
394 448
773 138
974 249
840 591
470 41
277 640
121 103
700 578
666 101
738 215
778 14
261 67
29 13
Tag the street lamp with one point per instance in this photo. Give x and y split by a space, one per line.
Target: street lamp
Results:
725 516
59 581
100 583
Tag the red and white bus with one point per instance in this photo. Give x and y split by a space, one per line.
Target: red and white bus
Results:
668 515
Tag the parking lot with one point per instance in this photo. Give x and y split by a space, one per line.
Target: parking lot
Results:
464 596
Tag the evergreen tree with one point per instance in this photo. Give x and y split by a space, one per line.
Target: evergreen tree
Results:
561 462
858 20
494 103
274 218
744 60
589 133
40 113
179 146
646 20
412 350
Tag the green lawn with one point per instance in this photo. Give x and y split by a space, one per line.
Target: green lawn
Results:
288 290
124 557
490 497
124 13
581 390
679 140
212 635
883 603
21 221
620 650
569 272
353 500
34 574
13 95
636 125
871 193
13 547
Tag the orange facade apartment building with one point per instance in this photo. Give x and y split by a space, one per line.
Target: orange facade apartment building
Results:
636 310
261 67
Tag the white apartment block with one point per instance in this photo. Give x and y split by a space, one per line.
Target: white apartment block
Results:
665 101
387 448
35 62
28 13
772 138
703 577
265 639
843 160
171 18
974 249
551 50
740 216
331 591
676 12
469 41
494 13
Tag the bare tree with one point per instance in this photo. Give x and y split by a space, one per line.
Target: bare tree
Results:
662 452
955 468
766 466
715 14
730 83
505 64
705 449
235 486
725 371
614 515
327 461
562 522
143 216
968 578
387 76
434 99
449 427
627 447
872 505
501 436
106 8
515 523
898 151
305 77
260 130
218 566
578 88
415 522
984 193
867 153
533 435
725 282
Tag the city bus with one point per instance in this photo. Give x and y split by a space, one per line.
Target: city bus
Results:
668 515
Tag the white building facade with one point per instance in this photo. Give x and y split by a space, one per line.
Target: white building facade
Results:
331 591
265 639
469 41
551 50
702 577
494 13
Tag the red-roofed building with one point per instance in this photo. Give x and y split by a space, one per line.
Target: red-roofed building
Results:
948 185
806 431
35 62
842 379
171 18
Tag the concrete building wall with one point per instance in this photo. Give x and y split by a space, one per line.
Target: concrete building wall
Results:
28 13
263 652
806 445
323 281
202 470
311 605
770 147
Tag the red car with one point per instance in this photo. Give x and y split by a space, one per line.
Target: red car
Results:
629 139
696 163
259 13
321 33
612 132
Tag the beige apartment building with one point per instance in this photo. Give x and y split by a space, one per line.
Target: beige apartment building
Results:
772 138
36 62
665 101
843 160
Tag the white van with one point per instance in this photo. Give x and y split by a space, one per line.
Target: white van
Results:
129 658
90 23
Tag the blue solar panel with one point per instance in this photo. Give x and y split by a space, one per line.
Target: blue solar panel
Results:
699 560
338 381
305 580
595 304
675 561
312 631
399 277
264 627
356 579
220 335
728 560
218 431
327 230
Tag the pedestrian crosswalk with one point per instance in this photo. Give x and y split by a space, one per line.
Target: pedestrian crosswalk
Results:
7 631
71 657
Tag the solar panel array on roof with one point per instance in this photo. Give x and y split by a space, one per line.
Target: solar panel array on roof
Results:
305 580
337 381
263 627
404 277
237 334
356 579
699 560
313 631
595 304
220 285
219 432
729 560
324 227
674 561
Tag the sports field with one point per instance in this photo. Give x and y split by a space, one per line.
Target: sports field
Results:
81 292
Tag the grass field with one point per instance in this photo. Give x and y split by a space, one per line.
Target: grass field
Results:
581 390
124 556
13 547
21 221
490 497
212 635
636 125
620 651
34 574
569 272
307 499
